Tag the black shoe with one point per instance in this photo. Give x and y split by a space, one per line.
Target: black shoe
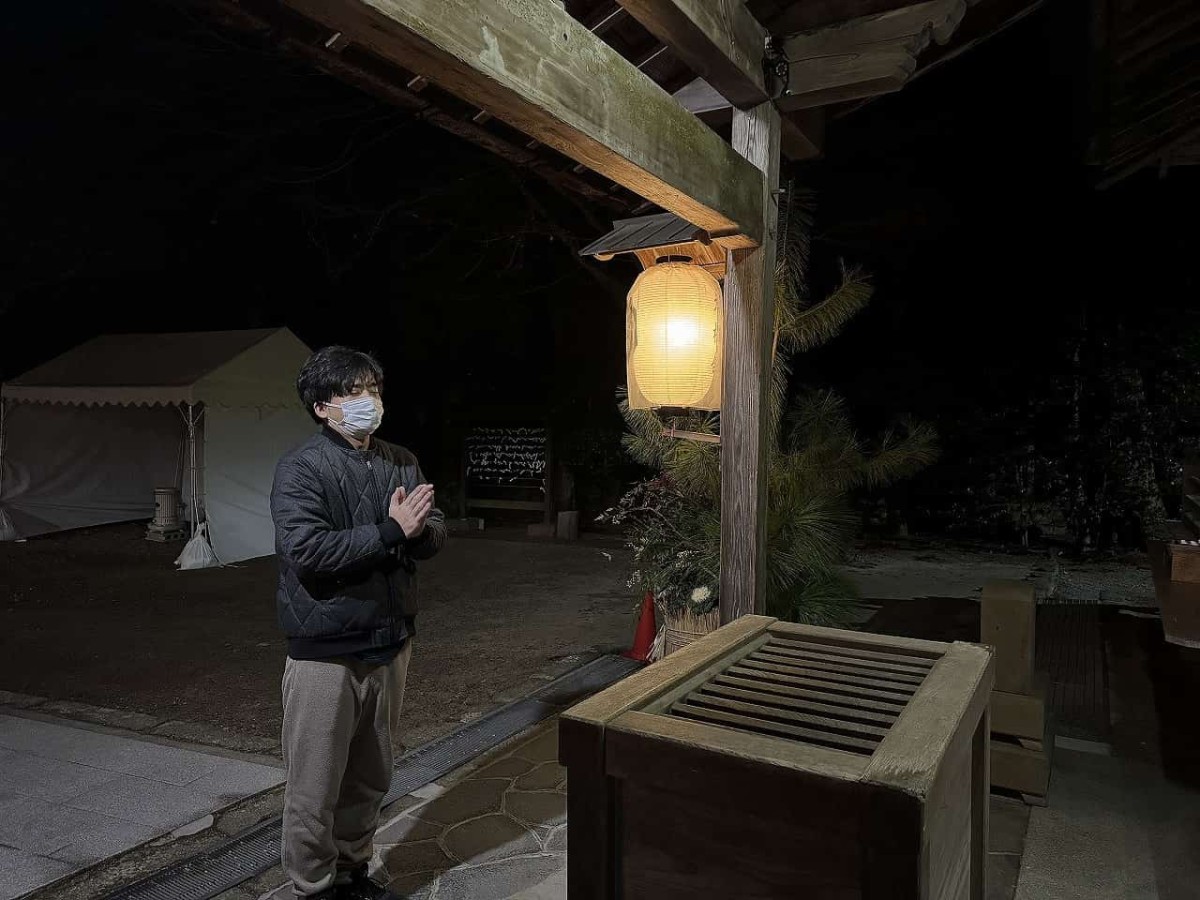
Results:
363 888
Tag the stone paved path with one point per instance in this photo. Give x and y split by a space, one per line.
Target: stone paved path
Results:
499 833
496 833
72 796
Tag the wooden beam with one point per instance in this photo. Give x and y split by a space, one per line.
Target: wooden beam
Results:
698 97
1156 150
533 66
847 77
340 67
916 24
856 59
745 411
604 18
812 14
401 90
718 40
984 23
802 136
866 56
816 82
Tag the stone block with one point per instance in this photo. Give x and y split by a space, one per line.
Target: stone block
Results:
489 838
21 872
101 715
48 779
99 844
499 880
145 802
567 527
468 800
546 777
540 808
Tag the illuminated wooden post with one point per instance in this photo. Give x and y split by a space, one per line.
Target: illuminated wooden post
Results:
749 318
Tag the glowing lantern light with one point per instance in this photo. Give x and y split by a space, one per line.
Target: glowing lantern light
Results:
674 338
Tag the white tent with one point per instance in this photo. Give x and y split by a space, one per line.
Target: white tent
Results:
87 437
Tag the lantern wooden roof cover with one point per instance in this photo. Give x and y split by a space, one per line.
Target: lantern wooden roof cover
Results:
663 234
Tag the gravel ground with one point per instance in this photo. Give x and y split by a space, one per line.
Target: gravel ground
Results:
1119 582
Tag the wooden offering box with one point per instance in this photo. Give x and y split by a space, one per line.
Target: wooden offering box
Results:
772 760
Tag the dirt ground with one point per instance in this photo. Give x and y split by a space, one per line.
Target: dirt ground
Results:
100 616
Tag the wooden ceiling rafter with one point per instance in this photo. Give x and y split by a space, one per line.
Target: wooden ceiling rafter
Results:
866 56
718 40
337 56
1146 68
1163 151
851 50
1166 102
1180 29
857 58
801 140
985 20
534 67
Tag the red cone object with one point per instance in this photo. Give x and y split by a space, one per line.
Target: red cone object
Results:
643 638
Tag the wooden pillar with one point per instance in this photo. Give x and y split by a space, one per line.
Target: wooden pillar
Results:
1020 745
1007 621
749 320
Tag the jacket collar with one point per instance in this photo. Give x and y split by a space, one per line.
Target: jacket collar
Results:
342 444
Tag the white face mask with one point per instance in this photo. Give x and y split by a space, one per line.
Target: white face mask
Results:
360 416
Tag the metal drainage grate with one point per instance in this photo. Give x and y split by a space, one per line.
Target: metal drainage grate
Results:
815 693
255 850
207 874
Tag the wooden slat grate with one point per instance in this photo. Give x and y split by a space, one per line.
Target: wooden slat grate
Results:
832 695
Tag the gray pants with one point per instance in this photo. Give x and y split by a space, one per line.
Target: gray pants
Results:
340 718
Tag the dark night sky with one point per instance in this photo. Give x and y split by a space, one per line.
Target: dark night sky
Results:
159 175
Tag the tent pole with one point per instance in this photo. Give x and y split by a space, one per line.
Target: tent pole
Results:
196 453
191 423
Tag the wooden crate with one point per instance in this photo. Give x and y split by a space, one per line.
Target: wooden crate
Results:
1184 561
1178 598
1175 566
776 760
1190 510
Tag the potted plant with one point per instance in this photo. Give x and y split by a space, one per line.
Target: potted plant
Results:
675 538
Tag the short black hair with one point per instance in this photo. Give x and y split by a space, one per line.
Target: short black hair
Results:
334 371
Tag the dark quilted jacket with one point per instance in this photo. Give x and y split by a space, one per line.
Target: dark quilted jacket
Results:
347 576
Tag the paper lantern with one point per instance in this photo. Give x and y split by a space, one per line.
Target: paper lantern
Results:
674 338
